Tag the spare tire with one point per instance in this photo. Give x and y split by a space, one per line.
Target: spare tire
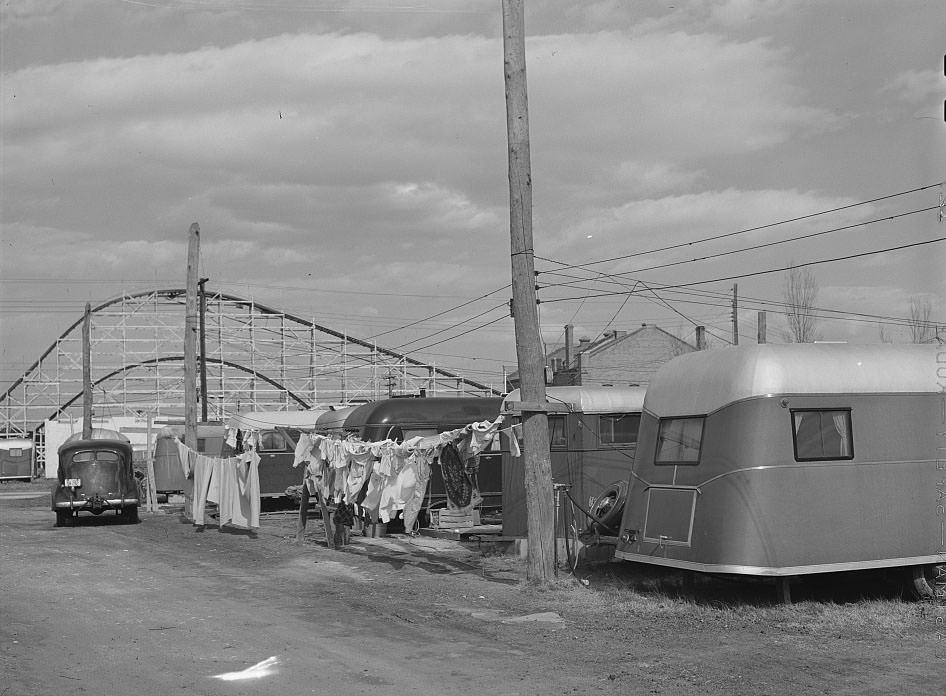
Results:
456 482
608 507
927 580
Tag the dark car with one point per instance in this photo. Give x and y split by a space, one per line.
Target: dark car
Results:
95 475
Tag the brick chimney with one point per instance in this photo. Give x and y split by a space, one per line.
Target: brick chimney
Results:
569 338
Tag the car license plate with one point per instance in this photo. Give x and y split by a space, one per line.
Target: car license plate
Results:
74 483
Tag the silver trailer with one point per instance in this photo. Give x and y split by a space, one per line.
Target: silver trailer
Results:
787 460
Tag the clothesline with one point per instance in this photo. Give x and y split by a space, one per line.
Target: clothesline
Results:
382 477
232 483
481 433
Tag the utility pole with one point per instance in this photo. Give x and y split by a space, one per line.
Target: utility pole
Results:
203 351
735 314
701 338
87 373
536 457
149 460
761 336
190 339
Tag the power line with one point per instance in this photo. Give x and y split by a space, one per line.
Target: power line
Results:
449 328
765 272
434 316
752 302
476 328
754 229
766 244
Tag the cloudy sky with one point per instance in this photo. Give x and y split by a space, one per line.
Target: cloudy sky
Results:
347 161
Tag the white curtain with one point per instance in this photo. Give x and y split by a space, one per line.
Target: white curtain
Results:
840 424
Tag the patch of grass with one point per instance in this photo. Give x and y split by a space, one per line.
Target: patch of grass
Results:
856 606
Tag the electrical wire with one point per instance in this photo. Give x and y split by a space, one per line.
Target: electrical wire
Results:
767 271
450 328
465 333
438 314
761 246
757 228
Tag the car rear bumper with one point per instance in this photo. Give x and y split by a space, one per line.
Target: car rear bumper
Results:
89 504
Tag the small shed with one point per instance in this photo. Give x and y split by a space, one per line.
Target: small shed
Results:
16 458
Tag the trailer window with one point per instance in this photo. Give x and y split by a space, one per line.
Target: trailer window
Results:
557 437
618 428
679 441
272 441
419 432
820 435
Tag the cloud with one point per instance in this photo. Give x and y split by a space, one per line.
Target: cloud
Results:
344 152
665 95
337 109
739 12
371 156
679 219
916 87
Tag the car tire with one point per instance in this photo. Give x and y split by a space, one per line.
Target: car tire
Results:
64 518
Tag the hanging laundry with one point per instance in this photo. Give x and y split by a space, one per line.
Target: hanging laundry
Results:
513 435
392 499
482 434
233 484
303 451
203 482
186 456
372 500
414 496
456 482
357 477
239 491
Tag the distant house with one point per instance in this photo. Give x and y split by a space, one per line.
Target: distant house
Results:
618 358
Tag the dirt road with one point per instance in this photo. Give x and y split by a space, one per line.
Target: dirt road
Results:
164 608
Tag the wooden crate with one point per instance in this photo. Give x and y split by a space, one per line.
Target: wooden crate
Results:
454 519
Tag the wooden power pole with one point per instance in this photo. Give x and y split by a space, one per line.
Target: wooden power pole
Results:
87 373
190 339
537 461
761 337
203 350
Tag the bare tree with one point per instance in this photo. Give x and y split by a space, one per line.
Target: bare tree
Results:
922 329
800 292
883 334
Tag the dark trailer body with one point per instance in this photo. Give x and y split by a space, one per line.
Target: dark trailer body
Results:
789 460
592 440
401 419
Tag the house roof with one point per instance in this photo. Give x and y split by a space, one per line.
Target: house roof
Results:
609 341
602 344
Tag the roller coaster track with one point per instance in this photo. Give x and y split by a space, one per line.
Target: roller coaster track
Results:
259 357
